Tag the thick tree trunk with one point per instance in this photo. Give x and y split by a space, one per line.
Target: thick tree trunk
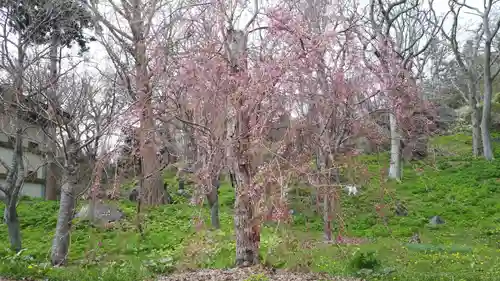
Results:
395 162
247 226
152 192
51 179
247 230
60 244
213 202
13 226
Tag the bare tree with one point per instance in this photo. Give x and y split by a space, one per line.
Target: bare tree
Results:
400 34
20 29
488 34
134 37
15 174
69 21
79 96
466 59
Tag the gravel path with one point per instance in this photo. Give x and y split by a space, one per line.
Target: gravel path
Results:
242 274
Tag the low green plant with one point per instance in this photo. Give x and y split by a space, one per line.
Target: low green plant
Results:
462 190
257 277
364 261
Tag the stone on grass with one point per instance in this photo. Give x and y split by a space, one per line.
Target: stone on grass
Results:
401 209
435 220
415 239
103 213
134 194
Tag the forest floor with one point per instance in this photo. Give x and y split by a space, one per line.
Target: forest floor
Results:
463 191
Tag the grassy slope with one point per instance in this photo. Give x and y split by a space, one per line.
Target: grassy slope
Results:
463 191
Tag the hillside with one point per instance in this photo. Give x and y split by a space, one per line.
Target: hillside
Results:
463 191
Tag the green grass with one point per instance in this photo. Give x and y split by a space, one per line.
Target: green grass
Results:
464 191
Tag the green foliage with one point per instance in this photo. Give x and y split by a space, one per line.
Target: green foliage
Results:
463 190
364 260
37 20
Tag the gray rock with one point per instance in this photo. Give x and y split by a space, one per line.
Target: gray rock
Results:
134 194
103 213
400 209
435 220
415 239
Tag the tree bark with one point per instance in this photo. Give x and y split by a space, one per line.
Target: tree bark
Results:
16 173
395 163
247 226
327 220
247 230
152 191
13 226
213 202
488 93
475 119
60 244
51 178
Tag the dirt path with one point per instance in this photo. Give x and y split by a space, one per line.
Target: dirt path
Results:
246 273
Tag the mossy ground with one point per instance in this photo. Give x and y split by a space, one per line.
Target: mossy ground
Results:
464 191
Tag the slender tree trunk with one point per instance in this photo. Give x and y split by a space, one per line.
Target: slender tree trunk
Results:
16 173
51 178
395 163
475 120
12 221
327 220
61 242
477 147
488 93
213 202
233 179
